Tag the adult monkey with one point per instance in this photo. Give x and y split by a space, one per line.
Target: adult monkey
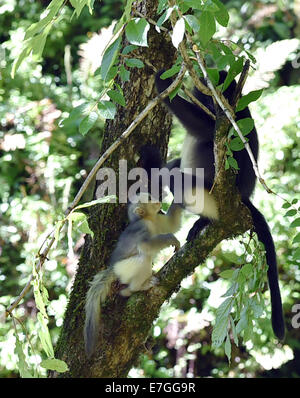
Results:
198 152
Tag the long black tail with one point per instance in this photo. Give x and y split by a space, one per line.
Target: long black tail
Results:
264 236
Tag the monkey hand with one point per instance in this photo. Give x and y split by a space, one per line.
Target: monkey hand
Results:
175 242
152 281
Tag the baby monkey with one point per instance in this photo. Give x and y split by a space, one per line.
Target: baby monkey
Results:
148 232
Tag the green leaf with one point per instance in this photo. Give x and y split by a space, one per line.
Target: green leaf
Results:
222 316
234 333
22 364
290 213
127 9
36 28
84 228
75 116
17 62
178 32
80 220
214 75
170 72
286 205
236 144
163 18
232 290
227 50
247 270
209 5
195 4
124 74
136 31
227 165
242 323
174 92
36 35
44 336
162 4
295 223
126 50
88 122
233 163
207 27
38 297
106 199
55 364
109 57
235 68
296 254
219 332
76 217
246 126
134 63
227 274
221 15
125 17
241 279
78 5
107 109
90 4
297 238
38 43
223 60
256 307
112 73
193 22
116 96
228 348
250 56
246 99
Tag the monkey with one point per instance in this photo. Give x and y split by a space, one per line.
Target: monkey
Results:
198 152
148 232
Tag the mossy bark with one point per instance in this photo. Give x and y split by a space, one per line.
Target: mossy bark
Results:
125 323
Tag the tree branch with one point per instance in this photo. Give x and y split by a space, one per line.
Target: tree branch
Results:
197 102
231 119
240 85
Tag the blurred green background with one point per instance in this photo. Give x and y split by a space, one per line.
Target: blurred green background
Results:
43 164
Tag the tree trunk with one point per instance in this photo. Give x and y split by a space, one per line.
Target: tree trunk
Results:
121 339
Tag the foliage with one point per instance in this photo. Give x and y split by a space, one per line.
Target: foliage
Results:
41 165
43 161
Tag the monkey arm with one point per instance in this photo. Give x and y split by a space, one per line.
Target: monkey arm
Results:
196 121
170 222
153 245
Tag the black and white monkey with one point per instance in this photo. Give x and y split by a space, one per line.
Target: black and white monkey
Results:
148 232
198 152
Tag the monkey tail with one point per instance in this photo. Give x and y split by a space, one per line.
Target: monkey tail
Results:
97 293
264 235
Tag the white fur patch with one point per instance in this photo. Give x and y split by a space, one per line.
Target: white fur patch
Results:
129 269
199 201
189 154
